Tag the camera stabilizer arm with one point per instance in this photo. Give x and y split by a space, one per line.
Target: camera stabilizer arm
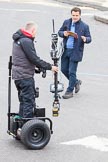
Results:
56 87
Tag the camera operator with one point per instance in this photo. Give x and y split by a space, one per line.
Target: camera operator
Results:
24 61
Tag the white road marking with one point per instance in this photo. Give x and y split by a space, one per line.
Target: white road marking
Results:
93 142
94 74
20 10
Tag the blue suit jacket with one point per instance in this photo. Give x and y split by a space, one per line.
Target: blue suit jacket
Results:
81 29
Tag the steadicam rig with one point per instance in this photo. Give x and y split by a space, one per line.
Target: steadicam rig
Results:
56 87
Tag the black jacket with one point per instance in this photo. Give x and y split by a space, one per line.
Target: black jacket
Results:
24 57
82 29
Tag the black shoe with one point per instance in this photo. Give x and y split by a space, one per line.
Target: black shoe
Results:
67 95
77 86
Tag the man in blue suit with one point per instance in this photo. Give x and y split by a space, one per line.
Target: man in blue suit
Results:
75 34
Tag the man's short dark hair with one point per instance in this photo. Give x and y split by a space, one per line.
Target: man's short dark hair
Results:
76 9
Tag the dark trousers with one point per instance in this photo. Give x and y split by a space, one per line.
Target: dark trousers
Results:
69 69
26 95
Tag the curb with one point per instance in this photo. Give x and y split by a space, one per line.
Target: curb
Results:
84 4
101 16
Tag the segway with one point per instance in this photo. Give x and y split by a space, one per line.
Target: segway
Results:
33 132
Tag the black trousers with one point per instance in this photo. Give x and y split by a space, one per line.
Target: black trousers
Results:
69 69
26 95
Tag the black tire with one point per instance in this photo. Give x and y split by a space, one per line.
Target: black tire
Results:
35 134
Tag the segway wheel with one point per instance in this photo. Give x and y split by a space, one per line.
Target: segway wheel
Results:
35 134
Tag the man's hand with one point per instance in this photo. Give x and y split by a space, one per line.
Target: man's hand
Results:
54 69
66 34
83 38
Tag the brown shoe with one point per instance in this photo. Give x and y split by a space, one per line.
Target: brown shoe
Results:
77 86
67 95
